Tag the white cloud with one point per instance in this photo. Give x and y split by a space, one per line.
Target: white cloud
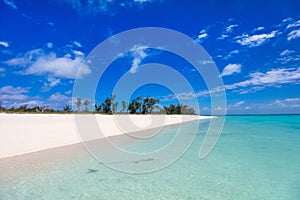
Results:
289 59
255 40
50 83
286 52
57 97
2 69
294 34
63 67
287 19
29 103
16 96
49 45
258 29
78 44
142 1
233 52
13 93
26 59
230 28
202 35
78 53
13 90
68 92
231 69
274 77
257 81
5 44
288 102
223 36
138 53
239 103
37 62
11 4
294 24
53 81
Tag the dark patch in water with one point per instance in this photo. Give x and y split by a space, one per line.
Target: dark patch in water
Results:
144 160
92 171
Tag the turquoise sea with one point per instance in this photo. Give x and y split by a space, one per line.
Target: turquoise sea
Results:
256 157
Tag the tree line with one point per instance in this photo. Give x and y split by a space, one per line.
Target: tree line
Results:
138 105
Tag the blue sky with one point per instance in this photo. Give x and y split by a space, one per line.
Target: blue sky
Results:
254 44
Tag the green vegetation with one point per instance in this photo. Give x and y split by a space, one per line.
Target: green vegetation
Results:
138 105
25 109
179 109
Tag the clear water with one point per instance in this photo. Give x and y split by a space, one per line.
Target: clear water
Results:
257 157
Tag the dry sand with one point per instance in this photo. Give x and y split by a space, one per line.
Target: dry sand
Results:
26 133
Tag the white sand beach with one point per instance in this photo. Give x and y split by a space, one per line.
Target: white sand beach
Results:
27 133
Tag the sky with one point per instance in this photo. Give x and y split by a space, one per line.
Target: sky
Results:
255 45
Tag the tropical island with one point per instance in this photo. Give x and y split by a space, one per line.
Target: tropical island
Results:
138 105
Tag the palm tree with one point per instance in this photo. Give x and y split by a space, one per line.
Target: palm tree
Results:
108 104
135 105
152 103
67 109
78 104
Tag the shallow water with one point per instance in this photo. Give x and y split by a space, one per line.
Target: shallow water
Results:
256 157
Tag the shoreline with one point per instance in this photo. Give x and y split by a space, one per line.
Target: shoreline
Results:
22 134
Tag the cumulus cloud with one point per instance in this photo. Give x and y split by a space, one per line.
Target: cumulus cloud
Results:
11 96
274 77
231 69
49 45
223 36
230 28
142 1
58 97
286 52
258 29
287 19
227 31
288 102
13 93
138 53
13 90
255 40
239 103
231 54
63 67
78 44
11 4
202 35
289 59
257 81
294 24
25 59
4 44
37 62
78 53
50 83
293 34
